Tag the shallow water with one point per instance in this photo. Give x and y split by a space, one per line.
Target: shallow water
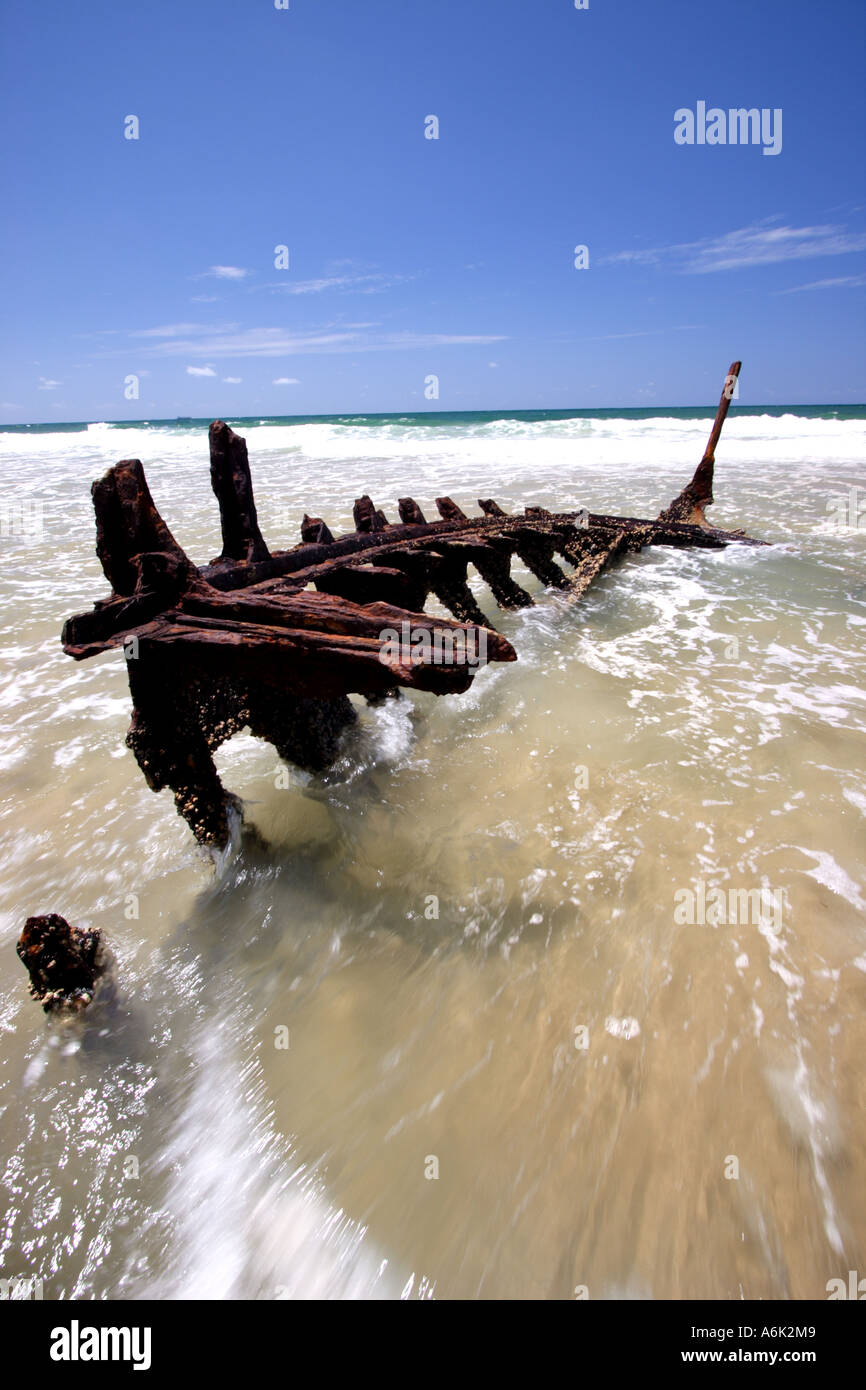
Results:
614 1099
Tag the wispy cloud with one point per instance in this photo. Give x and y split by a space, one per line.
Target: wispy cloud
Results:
360 284
645 332
255 342
760 244
223 272
286 381
850 280
182 330
227 272
635 333
427 340
232 380
46 384
200 371
277 342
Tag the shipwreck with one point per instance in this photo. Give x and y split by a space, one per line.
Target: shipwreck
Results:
277 641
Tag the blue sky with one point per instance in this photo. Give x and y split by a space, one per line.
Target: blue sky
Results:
411 257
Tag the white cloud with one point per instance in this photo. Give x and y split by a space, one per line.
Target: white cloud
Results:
827 284
200 371
759 244
249 342
224 272
46 384
425 340
232 380
362 284
286 381
277 342
644 332
182 330
638 333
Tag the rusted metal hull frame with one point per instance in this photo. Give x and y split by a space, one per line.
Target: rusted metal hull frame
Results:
243 643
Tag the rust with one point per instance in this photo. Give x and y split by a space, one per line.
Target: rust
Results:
277 641
64 963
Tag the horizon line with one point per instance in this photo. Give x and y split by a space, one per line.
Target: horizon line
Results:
490 410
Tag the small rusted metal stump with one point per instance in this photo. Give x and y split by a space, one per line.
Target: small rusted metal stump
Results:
64 962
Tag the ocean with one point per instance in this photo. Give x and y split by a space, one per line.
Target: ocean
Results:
453 1019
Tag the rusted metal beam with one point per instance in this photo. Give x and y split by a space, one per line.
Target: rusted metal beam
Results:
231 481
691 503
